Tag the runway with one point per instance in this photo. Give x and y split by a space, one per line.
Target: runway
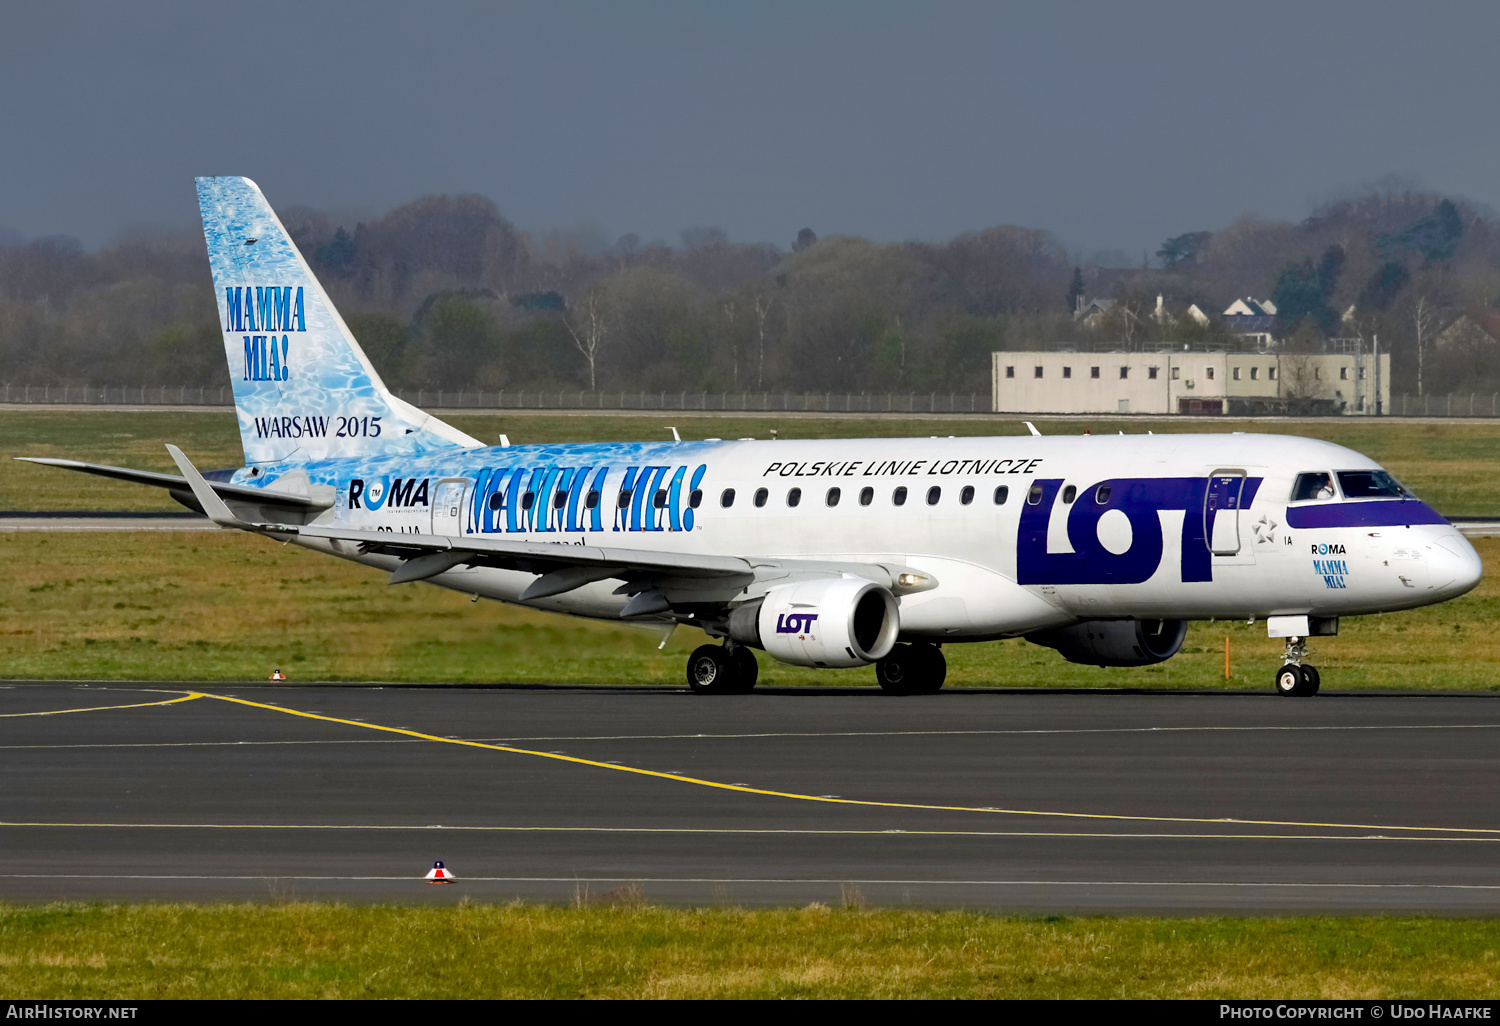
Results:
1008 800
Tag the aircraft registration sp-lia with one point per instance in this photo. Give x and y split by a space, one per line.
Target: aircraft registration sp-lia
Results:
835 553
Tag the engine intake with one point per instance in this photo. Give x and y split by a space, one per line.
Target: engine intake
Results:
837 622
1115 642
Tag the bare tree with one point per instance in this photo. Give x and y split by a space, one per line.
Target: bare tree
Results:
589 333
1299 378
1424 319
762 308
734 346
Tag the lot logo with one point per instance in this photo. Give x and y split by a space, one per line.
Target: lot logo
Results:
376 494
1143 501
1328 550
265 309
793 623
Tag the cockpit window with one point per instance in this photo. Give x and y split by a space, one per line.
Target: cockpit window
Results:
1371 484
1316 485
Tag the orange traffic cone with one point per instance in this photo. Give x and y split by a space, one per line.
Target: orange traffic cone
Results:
438 875
277 675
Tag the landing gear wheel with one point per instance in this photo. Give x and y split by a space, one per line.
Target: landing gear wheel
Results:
746 669
1310 674
1293 681
712 671
912 670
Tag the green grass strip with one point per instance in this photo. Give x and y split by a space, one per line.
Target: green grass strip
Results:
629 948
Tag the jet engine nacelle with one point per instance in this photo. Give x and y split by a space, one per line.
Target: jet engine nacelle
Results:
843 621
1115 642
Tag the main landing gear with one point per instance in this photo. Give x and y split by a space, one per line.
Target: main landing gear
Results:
1297 679
917 669
722 670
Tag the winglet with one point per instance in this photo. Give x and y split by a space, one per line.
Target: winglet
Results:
209 499
1031 427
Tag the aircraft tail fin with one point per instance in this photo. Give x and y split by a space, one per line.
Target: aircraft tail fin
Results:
303 389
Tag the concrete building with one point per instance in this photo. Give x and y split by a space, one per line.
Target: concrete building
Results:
1191 382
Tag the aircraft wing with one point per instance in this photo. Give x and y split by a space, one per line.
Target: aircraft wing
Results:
182 491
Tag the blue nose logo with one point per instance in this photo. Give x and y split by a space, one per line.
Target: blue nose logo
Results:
792 623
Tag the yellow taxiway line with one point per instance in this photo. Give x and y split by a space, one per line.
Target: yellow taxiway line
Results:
105 708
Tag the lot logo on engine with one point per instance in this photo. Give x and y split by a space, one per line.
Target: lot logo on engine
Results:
792 623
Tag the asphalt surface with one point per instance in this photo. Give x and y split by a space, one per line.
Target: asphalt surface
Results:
1020 801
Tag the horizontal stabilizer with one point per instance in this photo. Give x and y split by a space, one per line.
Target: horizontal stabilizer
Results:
178 483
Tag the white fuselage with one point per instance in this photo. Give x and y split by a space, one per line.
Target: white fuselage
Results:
1091 527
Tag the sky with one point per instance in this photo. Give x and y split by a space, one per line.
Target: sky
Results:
1112 125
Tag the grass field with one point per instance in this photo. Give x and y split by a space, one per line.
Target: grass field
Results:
1455 466
231 606
637 950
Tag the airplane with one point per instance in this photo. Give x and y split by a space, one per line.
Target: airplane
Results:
824 553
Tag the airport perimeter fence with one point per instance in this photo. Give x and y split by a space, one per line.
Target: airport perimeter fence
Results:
1452 405
532 399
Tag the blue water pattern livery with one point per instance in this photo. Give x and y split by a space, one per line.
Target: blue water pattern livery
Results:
555 498
269 309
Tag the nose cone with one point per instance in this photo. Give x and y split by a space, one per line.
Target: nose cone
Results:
1456 567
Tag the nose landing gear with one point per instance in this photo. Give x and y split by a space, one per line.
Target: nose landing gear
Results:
1296 679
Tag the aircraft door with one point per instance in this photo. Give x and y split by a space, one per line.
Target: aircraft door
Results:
448 507
1221 511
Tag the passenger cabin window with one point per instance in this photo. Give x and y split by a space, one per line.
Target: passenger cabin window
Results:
695 498
1101 495
1034 497
496 501
1371 484
559 499
933 495
832 498
659 500
760 496
1069 494
794 496
898 497
726 499
624 498
591 500
967 495
1001 494
866 496
528 499
1313 485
